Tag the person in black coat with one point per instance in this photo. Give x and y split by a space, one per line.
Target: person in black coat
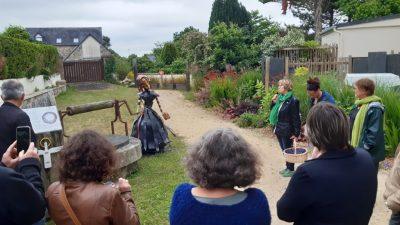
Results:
22 199
339 185
11 115
285 117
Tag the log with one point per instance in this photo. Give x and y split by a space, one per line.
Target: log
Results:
73 110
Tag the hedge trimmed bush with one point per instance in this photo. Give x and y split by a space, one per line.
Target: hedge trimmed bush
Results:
27 59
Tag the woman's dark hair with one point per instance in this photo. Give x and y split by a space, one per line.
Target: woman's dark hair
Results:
366 85
222 159
87 157
328 127
313 84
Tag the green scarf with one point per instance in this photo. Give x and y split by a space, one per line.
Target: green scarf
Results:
273 116
360 118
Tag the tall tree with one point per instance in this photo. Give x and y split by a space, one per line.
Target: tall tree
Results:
228 11
228 46
307 10
169 53
106 42
366 9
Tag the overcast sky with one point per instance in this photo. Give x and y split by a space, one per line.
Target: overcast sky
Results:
132 25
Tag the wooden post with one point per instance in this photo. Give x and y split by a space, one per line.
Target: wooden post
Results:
187 77
286 67
267 73
350 67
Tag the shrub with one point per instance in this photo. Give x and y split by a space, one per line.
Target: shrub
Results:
311 44
245 107
223 89
198 81
246 84
109 69
301 71
122 67
251 120
203 96
17 32
27 59
130 75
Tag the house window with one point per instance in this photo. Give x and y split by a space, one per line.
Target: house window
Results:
76 40
58 41
39 37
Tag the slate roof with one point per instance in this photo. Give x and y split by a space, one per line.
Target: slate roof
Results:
67 34
358 22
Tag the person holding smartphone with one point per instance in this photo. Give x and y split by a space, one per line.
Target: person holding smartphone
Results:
11 114
22 199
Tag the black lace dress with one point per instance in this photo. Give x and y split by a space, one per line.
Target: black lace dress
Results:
149 127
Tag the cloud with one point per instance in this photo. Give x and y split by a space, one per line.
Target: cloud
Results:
132 25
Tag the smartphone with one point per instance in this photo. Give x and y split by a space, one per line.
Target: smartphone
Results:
23 138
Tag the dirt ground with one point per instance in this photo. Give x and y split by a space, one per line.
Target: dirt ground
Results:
190 121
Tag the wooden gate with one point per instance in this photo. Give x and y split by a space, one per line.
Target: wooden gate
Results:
84 71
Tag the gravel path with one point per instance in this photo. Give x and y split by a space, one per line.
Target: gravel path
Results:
190 121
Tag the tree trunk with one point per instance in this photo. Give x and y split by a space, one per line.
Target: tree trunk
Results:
318 20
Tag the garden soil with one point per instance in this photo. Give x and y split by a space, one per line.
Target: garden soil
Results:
190 121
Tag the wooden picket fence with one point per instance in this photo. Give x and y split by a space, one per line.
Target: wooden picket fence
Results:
318 60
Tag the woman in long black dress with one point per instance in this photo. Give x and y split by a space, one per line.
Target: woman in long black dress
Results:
149 127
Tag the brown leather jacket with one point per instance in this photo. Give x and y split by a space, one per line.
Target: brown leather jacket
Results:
93 204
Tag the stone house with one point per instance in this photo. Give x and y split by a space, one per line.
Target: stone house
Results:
73 43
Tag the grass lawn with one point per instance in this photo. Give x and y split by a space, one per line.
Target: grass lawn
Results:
153 185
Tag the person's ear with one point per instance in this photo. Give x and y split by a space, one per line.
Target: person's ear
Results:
23 97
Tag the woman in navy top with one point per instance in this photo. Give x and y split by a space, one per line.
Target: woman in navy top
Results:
339 185
219 163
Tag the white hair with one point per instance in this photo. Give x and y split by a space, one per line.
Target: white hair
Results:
12 90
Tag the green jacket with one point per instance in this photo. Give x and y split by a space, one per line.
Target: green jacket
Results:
373 136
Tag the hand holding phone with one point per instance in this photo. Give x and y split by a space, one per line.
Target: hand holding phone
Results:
10 157
30 153
23 136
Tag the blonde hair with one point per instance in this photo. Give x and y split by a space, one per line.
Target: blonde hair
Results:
287 84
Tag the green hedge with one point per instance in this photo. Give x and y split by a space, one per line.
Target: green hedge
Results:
27 59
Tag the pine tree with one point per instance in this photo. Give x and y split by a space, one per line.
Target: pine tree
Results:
229 11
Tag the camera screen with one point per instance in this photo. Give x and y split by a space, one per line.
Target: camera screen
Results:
23 139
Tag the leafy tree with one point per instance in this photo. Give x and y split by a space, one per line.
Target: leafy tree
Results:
228 46
228 11
294 38
259 28
169 53
178 36
17 32
307 6
194 47
106 42
304 10
178 39
144 64
366 9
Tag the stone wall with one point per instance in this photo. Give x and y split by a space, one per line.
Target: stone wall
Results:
65 51
76 55
43 98
38 83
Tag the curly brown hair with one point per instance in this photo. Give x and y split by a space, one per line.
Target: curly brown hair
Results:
222 159
87 156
